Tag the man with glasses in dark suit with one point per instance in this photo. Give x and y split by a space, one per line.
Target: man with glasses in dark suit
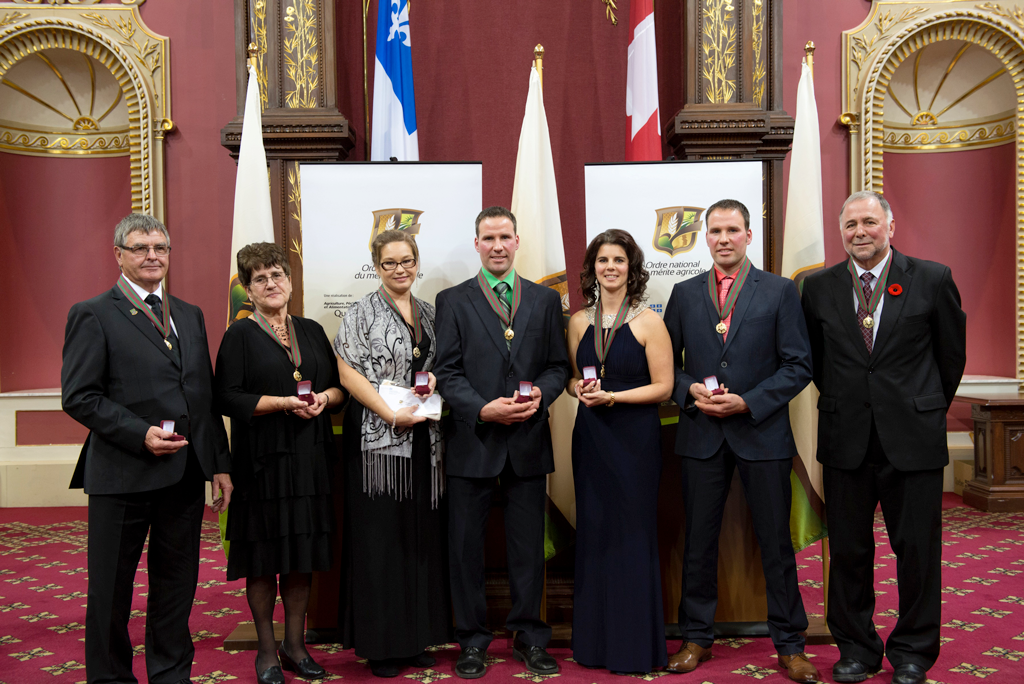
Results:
134 358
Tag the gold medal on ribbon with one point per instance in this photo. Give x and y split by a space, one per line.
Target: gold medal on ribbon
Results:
509 334
720 328
416 352
168 343
869 322
297 375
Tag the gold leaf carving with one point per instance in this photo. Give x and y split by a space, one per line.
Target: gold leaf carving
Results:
301 56
295 203
58 143
147 53
718 45
11 17
1015 15
757 44
259 34
964 137
609 11
862 48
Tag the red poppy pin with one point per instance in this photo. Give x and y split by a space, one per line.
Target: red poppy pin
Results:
895 290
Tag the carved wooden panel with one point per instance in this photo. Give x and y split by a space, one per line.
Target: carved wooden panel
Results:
733 95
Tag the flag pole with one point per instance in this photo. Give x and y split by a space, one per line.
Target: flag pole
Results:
538 61
809 60
366 82
252 51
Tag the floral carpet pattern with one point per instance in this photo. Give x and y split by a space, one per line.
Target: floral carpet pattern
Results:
43 583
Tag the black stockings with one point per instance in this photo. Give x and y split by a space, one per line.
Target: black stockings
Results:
261 592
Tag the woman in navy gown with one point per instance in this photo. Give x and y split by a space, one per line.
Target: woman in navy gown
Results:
618 622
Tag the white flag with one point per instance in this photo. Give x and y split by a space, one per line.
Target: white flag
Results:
541 259
803 253
254 220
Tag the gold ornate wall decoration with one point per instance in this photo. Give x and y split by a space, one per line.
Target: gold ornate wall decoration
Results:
259 37
301 55
135 3
11 17
757 45
995 27
609 11
718 45
116 40
295 205
863 46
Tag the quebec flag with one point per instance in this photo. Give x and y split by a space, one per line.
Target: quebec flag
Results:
394 105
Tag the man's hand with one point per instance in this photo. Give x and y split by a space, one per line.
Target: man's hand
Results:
721 405
159 443
220 491
507 412
699 392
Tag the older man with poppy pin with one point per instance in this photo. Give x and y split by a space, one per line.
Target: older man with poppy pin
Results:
888 339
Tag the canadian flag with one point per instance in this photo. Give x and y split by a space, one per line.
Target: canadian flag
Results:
643 125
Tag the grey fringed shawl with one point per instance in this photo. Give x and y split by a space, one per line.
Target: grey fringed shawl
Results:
376 343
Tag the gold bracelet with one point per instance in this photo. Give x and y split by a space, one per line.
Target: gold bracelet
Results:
611 399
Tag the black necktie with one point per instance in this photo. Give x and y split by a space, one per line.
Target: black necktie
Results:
158 311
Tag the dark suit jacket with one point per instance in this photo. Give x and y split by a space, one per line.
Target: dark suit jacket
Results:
766 359
907 382
474 367
119 378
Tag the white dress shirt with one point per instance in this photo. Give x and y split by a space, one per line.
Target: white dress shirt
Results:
159 292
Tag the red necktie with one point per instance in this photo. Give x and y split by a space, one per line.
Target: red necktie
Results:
723 293
862 313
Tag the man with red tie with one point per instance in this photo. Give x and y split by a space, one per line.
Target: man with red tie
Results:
746 355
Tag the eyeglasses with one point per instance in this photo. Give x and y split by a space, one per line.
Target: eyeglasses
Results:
261 281
143 250
392 265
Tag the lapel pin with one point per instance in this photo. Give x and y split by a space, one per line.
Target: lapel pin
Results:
133 312
895 290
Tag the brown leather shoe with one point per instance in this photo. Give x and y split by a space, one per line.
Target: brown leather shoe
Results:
687 658
799 668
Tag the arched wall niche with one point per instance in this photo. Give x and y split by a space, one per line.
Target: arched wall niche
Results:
114 36
892 33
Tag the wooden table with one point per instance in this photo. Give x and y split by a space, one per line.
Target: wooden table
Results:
998 483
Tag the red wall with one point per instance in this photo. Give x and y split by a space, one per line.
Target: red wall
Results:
471 62
57 218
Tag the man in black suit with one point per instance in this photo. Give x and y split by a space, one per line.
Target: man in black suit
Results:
495 331
130 362
744 327
888 339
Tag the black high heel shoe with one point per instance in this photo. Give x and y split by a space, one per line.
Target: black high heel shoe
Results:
307 668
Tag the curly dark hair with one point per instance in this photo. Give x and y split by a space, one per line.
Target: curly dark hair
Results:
257 255
636 283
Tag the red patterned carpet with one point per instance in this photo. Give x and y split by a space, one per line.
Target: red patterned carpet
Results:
43 584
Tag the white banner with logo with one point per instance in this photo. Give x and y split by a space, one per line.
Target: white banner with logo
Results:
345 205
662 205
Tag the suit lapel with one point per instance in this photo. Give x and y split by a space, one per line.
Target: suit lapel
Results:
527 305
142 322
842 296
490 320
742 303
899 274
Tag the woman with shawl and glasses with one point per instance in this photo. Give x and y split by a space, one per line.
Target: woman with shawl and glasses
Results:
394 594
281 515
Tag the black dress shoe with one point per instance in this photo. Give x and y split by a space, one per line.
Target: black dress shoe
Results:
272 675
535 658
471 663
307 668
851 670
423 659
385 668
909 674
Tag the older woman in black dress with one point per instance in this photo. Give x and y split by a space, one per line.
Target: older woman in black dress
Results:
281 515
394 595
